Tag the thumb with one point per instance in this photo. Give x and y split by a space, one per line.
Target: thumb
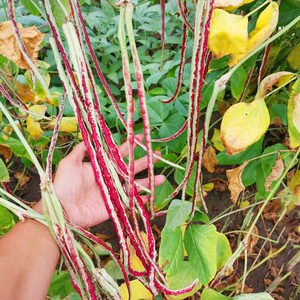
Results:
78 153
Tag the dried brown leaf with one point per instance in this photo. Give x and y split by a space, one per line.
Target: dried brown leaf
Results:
9 47
6 151
22 90
103 237
235 181
87 250
253 239
277 122
209 159
220 185
276 296
23 179
268 82
294 237
275 173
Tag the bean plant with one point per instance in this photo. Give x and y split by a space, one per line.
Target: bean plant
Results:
103 77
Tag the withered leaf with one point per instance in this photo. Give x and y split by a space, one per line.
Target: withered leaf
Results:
268 82
209 159
135 262
23 179
235 181
6 151
253 239
275 173
9 47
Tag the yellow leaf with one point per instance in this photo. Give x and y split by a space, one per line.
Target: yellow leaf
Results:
235 181
266 85
294 134
228 34
295 188
53 100
34 128
9 47
25 93
217 141
135 262
294 57
8 130
38 109
296 111
138 291
275 173
245 204
229 271
209 159
67 125
208 187
231 4
243 124
265 25
183 228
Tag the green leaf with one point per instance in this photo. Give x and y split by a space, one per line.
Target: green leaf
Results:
171 250
181 104
7 220
248 175
107 9
31 7
200 242
113 270
157 91
56 156
178 211
61 285
200 216
74 296
169 127
237 82
161 193
209 294
183 278
4 176
179 175
255 296
279 110
58 12
251 152
170 85
158 111
288 12
223 250
220 63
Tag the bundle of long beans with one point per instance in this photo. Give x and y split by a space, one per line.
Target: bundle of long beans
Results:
108 165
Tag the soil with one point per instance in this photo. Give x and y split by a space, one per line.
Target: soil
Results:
217 202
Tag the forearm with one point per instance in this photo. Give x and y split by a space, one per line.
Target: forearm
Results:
28 257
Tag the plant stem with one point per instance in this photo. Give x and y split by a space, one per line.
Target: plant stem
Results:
23 173
257 9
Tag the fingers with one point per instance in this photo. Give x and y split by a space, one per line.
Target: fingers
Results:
158 180
124 147
141 163
78 153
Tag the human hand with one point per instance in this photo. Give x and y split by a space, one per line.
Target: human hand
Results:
78 191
